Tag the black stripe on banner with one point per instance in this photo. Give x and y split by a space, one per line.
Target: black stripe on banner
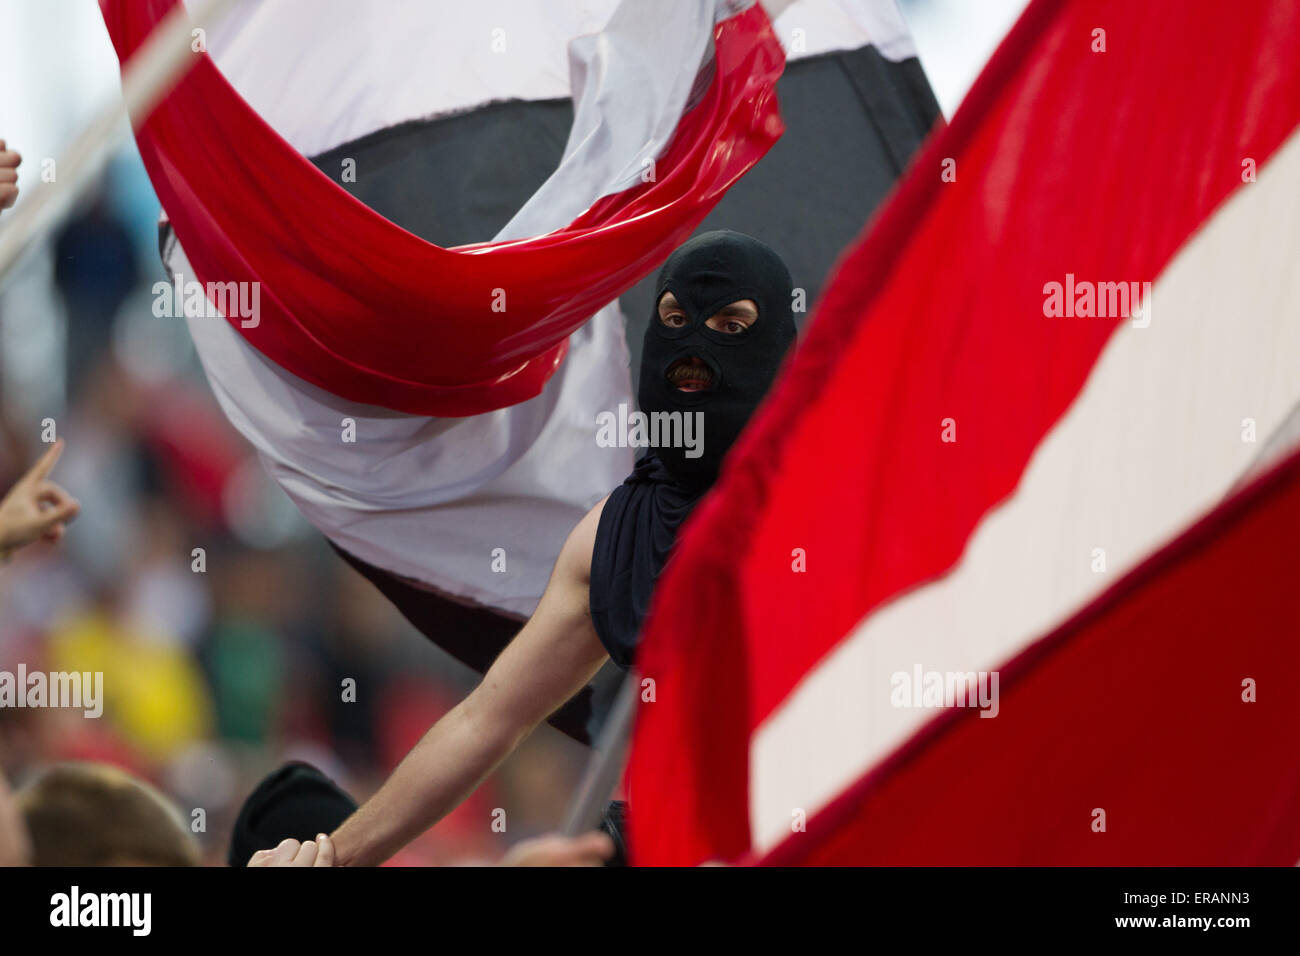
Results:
471 633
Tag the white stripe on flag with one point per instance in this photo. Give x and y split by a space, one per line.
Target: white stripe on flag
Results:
419 60
1154 440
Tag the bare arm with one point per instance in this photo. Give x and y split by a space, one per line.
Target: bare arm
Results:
549 661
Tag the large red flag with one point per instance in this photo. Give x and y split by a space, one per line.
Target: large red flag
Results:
1157 725
1072 333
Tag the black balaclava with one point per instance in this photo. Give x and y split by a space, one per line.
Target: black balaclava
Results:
708 272
295 801
640 520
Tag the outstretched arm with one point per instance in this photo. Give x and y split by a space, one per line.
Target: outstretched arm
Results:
549 661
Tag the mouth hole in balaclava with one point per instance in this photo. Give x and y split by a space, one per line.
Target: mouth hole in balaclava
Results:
694 373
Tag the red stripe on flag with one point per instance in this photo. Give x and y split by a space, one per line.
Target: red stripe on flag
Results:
1135 707
1068 161
364 309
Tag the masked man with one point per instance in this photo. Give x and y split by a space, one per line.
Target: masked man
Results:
721 327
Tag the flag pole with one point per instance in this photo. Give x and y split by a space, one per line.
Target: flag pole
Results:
158 65
606 765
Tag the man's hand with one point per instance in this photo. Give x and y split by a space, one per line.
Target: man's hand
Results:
9 161
590 849
317 852
35 507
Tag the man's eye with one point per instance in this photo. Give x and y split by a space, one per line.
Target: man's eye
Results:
674 320
734 328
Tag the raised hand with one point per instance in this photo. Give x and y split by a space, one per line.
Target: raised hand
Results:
35 507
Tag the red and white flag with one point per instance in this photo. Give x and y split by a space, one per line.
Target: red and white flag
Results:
458 123
1003 572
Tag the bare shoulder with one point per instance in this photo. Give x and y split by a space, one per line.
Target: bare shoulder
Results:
574 562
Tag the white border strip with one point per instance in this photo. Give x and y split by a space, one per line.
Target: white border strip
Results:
1154 440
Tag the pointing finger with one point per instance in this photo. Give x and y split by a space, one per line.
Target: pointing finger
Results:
45 464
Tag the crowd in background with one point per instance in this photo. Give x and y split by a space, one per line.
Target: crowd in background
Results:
227 631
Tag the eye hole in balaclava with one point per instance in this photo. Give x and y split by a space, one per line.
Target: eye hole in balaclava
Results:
709 272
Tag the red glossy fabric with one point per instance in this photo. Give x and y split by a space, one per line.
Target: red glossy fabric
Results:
360 307
1134 707
1067 161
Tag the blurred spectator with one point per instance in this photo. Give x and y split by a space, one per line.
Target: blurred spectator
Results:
94 269
15 847
84 814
